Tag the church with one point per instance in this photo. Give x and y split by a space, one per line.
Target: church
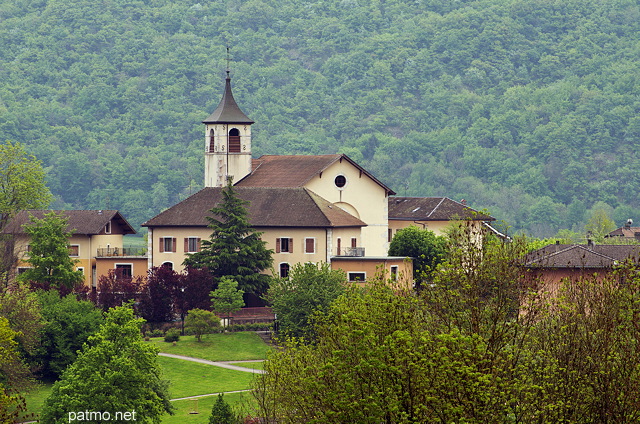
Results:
322 208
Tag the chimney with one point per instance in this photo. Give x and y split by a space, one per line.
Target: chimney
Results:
590 243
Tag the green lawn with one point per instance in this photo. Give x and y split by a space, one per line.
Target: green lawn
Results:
191 378
241 402
217 347
259 365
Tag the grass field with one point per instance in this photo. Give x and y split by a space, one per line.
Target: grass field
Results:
192 379
217 347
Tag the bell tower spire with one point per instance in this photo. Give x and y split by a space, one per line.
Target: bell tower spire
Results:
227 140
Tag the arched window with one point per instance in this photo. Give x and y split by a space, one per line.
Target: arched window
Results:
234 140
284 270
168 265
212 142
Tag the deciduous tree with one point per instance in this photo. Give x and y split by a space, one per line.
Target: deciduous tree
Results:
69 323
426 249
227 298
200 322
308 289
116 372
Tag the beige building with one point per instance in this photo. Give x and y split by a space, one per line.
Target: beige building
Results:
323 208
96 243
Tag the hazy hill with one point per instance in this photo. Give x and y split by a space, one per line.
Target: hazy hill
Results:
528 108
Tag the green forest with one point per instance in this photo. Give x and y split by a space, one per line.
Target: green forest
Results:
526 108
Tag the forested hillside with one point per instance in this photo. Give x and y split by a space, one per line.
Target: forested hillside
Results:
528 108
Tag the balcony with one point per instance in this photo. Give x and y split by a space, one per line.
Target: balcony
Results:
352 252
105 252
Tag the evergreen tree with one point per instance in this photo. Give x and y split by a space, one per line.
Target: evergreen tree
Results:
234 248
221 412
51 265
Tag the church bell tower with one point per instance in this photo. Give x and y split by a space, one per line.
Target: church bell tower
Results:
227 142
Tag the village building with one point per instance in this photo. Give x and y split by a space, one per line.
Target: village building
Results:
321 208
96 243
555 263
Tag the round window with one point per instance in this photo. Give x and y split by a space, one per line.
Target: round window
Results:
340 181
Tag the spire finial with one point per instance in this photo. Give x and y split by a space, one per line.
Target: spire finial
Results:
228 60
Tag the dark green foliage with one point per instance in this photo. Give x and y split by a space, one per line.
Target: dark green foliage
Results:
308 289
115 372
427 249
172 335
520 106
68 325
234 248
51 267
221 412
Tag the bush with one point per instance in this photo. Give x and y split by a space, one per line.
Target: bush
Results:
173 335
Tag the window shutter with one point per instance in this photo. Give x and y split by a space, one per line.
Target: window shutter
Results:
309 246
354 242
186 244
198 244
174 244
339 242
290 245
161 244
277 245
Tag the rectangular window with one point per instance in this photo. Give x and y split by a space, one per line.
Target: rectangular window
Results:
107 228
354 242
22 270
355 277
74 250
192 244
389 235
124 270
81 269
309 245
394 272
284 245
167 244
339 246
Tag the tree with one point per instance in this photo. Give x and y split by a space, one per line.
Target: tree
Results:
308 289
200 322
599 223
221 412
51 265
115 289
22 186
68 325
194 286
11 405
116 373
234 248
226 298
427 249
22 181
158 295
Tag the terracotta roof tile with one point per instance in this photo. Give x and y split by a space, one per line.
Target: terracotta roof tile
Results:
84 222
268 207
431 209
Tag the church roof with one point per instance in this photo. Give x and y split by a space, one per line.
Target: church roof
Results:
432 209
228 111
83 222
294 170
268 207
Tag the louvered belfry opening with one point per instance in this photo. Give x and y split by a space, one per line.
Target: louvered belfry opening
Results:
234 141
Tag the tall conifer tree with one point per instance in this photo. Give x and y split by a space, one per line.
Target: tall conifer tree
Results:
234 248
